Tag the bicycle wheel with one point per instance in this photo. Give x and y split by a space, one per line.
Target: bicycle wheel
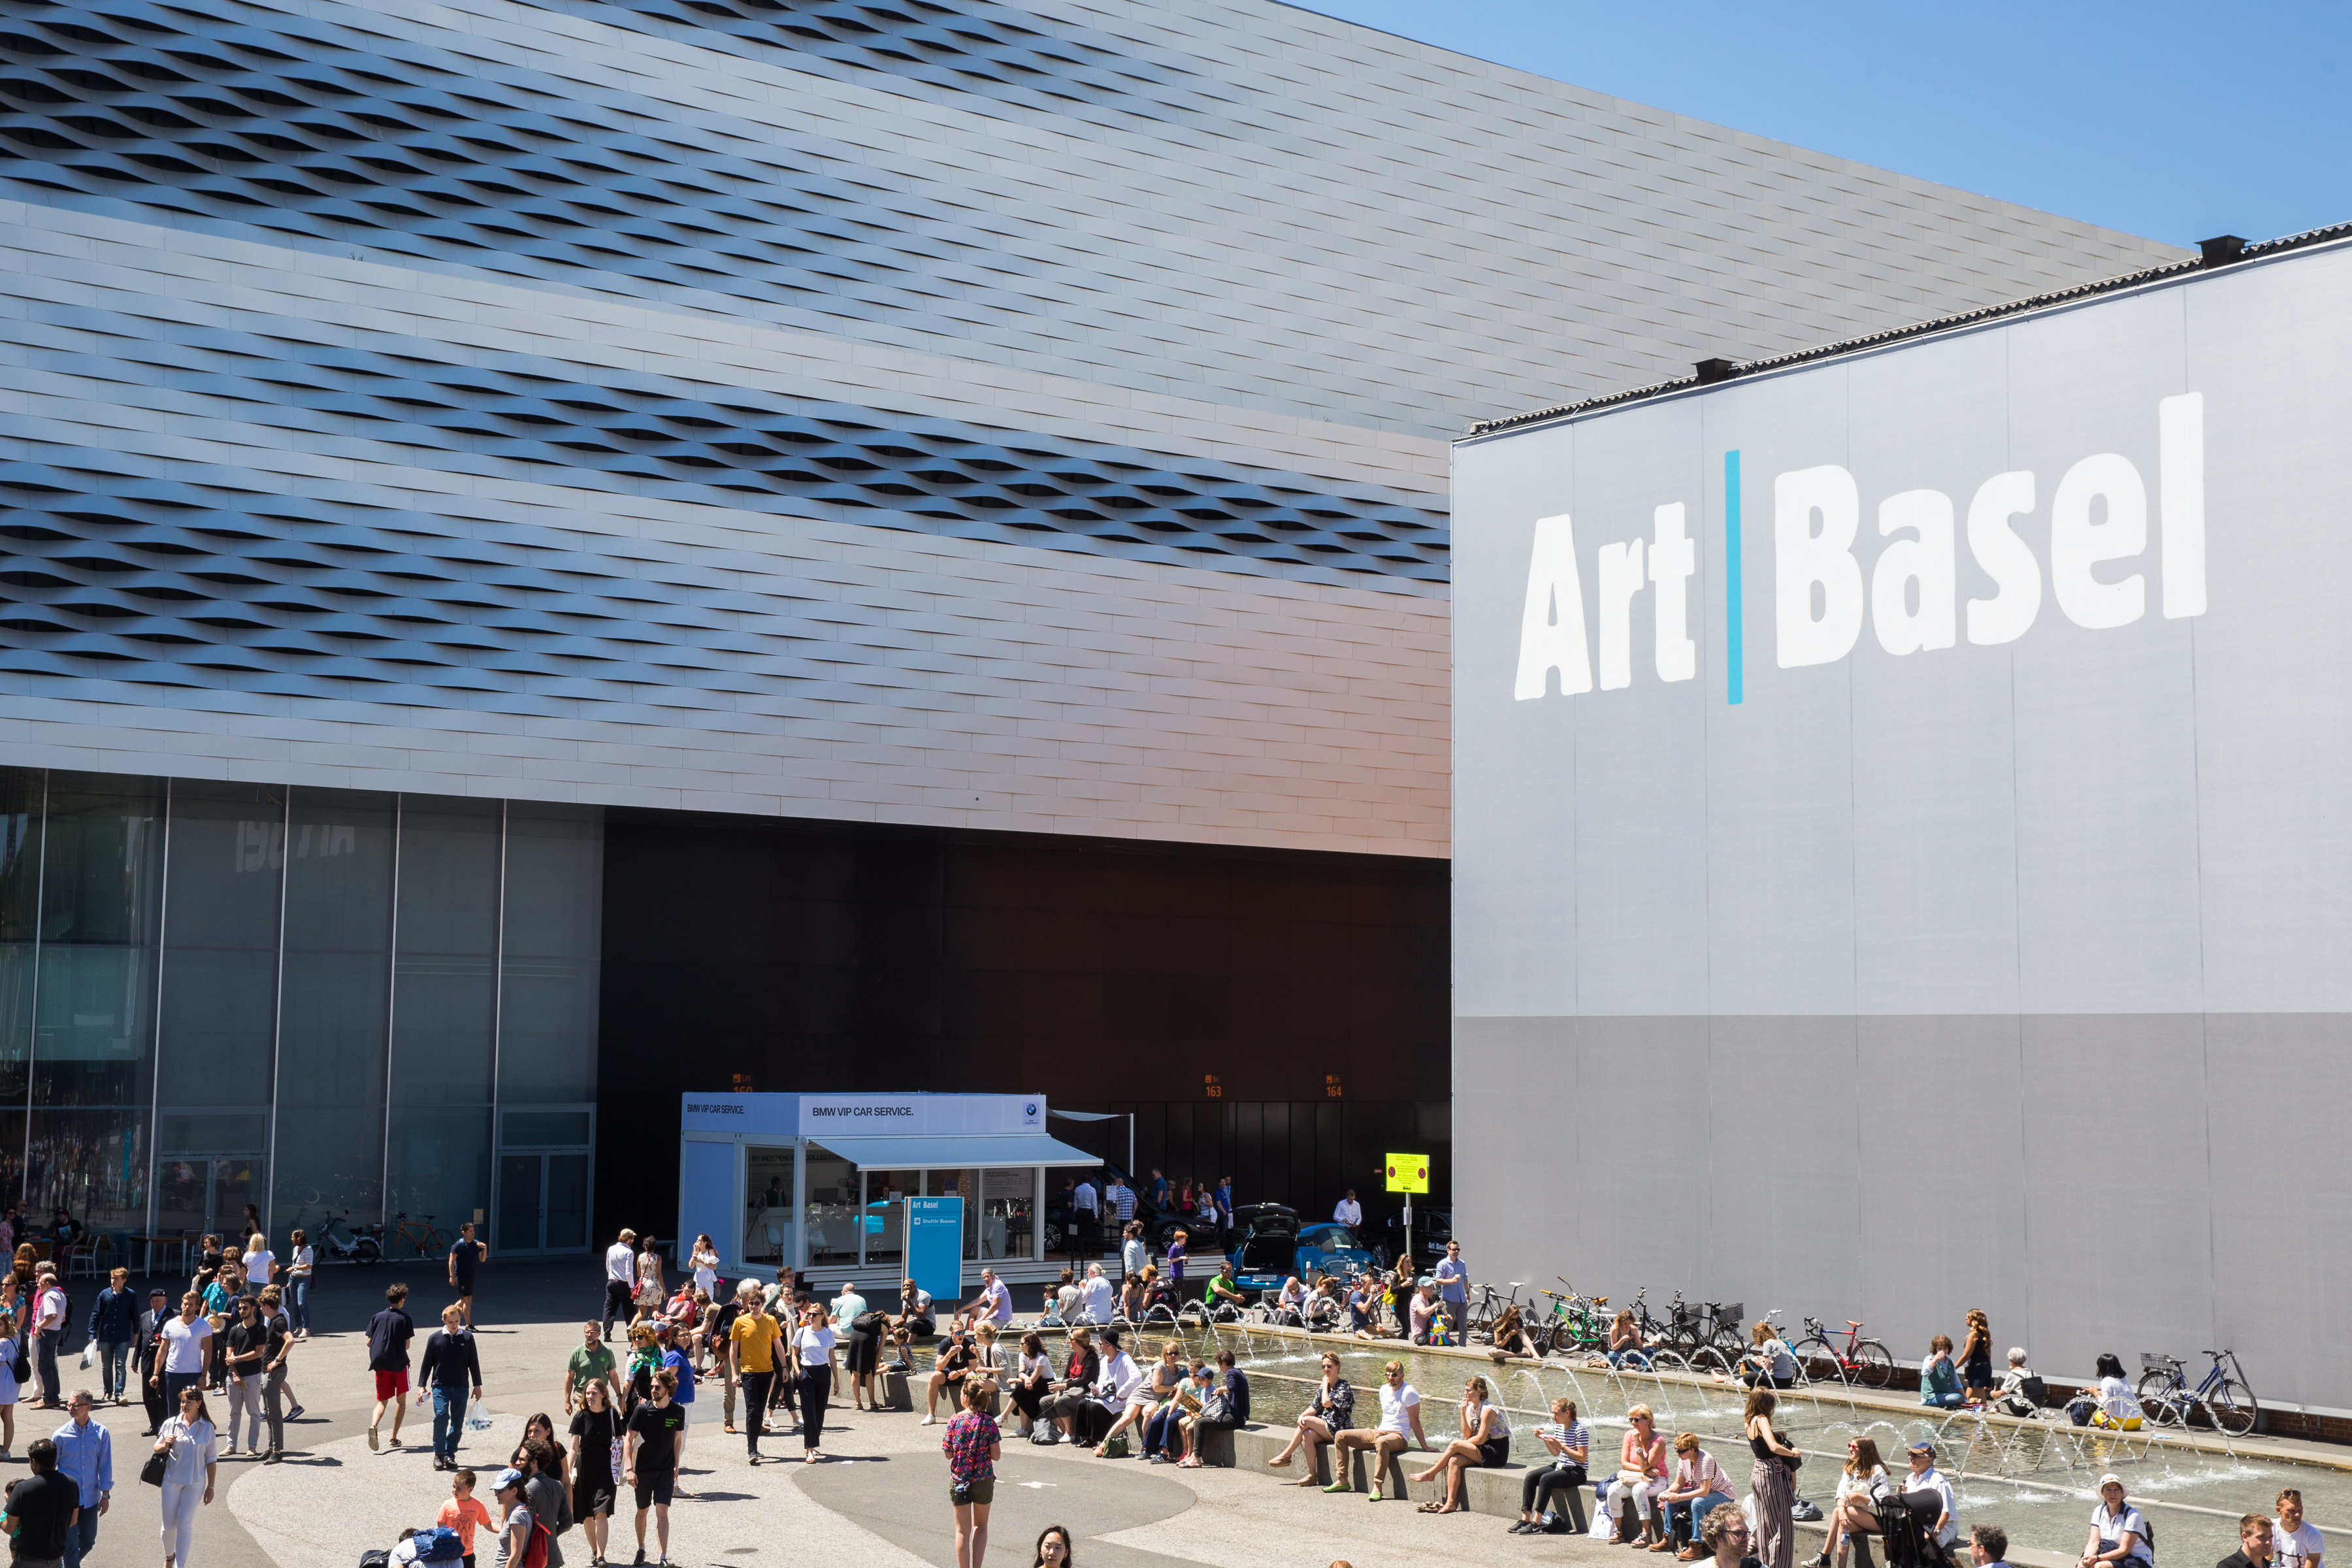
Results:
2231 1407
2158 1388
440 1241
1874 1365
1820 1360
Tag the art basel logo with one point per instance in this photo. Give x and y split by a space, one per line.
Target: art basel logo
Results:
2098 517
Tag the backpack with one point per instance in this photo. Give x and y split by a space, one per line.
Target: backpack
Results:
534 1552
439 1544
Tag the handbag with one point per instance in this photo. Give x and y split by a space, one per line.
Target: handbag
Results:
151 1472
1793 1461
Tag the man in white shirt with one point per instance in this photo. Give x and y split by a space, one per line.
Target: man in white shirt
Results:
1085 1209
993 1304
49 1320
187 1343
1399 1408
1096 1294
1131 1252
2294 1539
1348 1212
620 1279
1926 1478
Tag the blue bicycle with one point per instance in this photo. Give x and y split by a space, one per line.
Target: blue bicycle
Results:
2167 1400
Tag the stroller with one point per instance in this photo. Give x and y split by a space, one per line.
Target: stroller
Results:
1907 1526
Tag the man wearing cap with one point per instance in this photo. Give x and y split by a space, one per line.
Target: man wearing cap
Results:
2253 1544
620 1279
514 1518
2119 1533
1926 1487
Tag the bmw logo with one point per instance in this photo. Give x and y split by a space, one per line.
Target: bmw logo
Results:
1030 1109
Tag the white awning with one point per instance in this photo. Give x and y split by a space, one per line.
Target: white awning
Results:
988 1152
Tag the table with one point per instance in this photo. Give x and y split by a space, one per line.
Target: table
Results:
147 1243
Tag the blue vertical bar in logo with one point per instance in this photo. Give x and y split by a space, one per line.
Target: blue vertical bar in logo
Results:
1735 661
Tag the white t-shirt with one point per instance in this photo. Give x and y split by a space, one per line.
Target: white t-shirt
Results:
1848 1485
1931 1480
1000 1309
2117 1400
1066 1300
184 1345
52 1309
815 1346
1097 1294
1396 1403
2112 1529
257 1265
2297 1548
621 1263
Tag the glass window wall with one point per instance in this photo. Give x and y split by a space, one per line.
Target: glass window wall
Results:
885 1218
218 995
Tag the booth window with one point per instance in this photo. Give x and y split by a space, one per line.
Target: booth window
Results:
833 1222
886 1217
768 1205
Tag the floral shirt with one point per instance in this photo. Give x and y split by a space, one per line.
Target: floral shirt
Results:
968 1438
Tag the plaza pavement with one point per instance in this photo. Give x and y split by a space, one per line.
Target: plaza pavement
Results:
880 1503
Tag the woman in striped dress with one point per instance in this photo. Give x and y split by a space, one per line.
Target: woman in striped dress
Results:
1769 1483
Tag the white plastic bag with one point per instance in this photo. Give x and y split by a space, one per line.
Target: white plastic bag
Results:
478 1417
88 1357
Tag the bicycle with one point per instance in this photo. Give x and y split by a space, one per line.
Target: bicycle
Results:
363 1246
1861 1361
1481 1315
429 1240
1575 1323
2167 1400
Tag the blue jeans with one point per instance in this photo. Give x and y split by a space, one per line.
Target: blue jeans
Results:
83 1536
1951 1401
1638 1360
449 1419
113 1362
1692 1513
297 1303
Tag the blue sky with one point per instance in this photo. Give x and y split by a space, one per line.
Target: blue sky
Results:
2165 119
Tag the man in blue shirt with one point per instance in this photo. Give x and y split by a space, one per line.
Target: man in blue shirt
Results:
85 1457
1453 1284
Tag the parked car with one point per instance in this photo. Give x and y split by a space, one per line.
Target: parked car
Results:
1273 1246
1432 1229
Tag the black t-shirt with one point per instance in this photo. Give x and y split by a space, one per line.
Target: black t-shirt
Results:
389 1332
44 1507
244 1339
653 1424
720 1326
592 1435
464 1256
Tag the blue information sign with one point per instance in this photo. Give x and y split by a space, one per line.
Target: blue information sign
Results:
935 1248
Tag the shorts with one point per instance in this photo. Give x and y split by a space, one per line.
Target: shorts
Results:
1495 1451
464 1285
591 1497
655 1490
392 1384
982 1493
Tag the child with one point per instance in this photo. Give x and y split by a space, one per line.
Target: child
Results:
462 1512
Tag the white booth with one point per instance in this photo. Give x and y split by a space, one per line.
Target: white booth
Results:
814 1180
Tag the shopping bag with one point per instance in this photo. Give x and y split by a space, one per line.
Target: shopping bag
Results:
478 1419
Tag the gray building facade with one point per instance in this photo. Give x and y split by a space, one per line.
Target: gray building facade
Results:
971 418
1898 861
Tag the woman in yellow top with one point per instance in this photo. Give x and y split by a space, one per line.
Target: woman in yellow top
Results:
751 1353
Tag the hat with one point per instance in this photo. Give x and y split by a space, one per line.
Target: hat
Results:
159 1291
506 1477
1923 1446
2110 1479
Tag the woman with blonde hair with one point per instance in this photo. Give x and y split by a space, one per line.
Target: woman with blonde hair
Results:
1976 1359
1640 1476
1771 1481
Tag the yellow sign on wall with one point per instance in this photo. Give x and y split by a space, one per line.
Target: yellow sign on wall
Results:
1408 1173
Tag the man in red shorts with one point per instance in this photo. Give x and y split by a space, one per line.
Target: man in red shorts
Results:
389 1332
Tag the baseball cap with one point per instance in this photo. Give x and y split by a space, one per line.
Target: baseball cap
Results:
2110 1479
507 1478
1923 1446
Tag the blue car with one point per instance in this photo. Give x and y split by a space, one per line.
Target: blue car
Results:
1273 1246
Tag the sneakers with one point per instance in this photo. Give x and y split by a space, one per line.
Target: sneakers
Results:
294 1414
373 1445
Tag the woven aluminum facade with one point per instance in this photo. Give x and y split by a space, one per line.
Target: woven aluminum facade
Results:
1000 417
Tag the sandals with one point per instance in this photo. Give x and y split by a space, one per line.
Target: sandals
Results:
1192 1464
1437 1507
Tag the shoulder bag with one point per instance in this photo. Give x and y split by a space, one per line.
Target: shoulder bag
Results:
151 1472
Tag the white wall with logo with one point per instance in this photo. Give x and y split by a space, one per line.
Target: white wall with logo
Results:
1991 950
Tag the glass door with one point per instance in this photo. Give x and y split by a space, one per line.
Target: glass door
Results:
206 1193
523 1199
543 1186
566 1184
